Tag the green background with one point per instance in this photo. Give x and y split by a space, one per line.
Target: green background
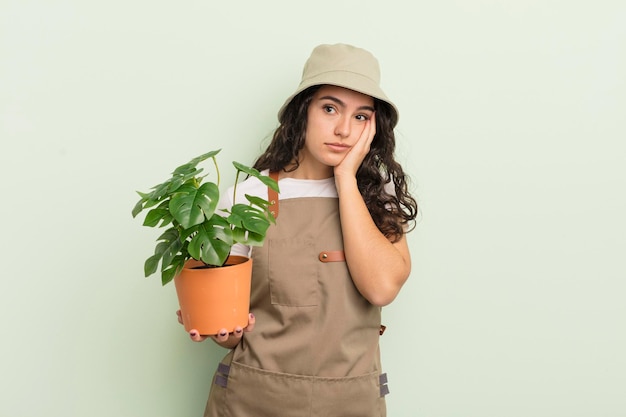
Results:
511 126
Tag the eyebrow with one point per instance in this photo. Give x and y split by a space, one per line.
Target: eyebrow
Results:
342 104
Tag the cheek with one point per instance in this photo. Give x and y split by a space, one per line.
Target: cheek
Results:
314 128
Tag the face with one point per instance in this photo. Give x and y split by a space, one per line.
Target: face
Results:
335 119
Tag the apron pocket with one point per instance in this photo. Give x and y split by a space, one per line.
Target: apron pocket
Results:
253 392
348 397
292 272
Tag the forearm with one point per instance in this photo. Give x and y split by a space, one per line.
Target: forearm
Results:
378 267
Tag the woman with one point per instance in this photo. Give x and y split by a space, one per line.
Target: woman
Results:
336 255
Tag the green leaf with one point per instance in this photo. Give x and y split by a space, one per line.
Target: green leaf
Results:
175 184
138 207
184 170
195 161
151 203
192 177
169 254
154 216
212 241
187 168
144 203
151 265
159 191
269 182
167 219
186 233
246 169
263 205
247 238
191 206
257 201
167 248
248 217
174 268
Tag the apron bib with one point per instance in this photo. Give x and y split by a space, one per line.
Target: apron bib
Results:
314 350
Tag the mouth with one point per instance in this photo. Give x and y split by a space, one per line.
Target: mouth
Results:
337 147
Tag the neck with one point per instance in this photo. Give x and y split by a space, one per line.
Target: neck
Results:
308 172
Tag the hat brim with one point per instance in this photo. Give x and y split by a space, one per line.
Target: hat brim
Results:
345 79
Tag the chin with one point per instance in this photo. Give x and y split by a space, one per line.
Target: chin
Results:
332 161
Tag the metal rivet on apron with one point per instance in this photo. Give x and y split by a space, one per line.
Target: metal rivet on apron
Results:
273 202
324 255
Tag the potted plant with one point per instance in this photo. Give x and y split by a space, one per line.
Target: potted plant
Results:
213 287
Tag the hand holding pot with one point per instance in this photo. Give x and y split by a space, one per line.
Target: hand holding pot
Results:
223 338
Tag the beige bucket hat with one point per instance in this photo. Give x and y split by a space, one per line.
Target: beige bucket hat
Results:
344 66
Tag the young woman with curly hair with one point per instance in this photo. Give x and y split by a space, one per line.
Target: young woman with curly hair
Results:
335 256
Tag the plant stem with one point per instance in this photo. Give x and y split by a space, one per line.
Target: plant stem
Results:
234 196
235 187
217 170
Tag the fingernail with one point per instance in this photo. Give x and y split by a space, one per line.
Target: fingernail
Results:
223 334
238 331
193 334
251 315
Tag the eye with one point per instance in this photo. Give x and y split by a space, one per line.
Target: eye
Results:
362 117
329 109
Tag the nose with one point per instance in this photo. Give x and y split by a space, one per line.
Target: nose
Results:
343 127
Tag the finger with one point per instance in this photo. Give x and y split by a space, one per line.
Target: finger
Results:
372 127
367 136
196 336
179 314
370 131
221 336
238 332
251 322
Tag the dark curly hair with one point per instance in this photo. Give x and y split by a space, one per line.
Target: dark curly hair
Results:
392 214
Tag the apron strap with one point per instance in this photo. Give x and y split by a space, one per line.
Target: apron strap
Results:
332 256
272 196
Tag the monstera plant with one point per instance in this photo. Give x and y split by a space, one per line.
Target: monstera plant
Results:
196 228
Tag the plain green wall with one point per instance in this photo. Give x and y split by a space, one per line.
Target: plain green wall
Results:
512 127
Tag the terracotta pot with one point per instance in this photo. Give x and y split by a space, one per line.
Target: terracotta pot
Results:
215 298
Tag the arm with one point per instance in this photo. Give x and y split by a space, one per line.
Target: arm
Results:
378 267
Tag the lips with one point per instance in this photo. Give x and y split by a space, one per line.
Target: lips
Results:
338 147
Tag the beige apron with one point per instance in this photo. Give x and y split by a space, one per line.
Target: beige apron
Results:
314 349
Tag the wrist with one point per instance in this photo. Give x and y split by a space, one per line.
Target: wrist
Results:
343 182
